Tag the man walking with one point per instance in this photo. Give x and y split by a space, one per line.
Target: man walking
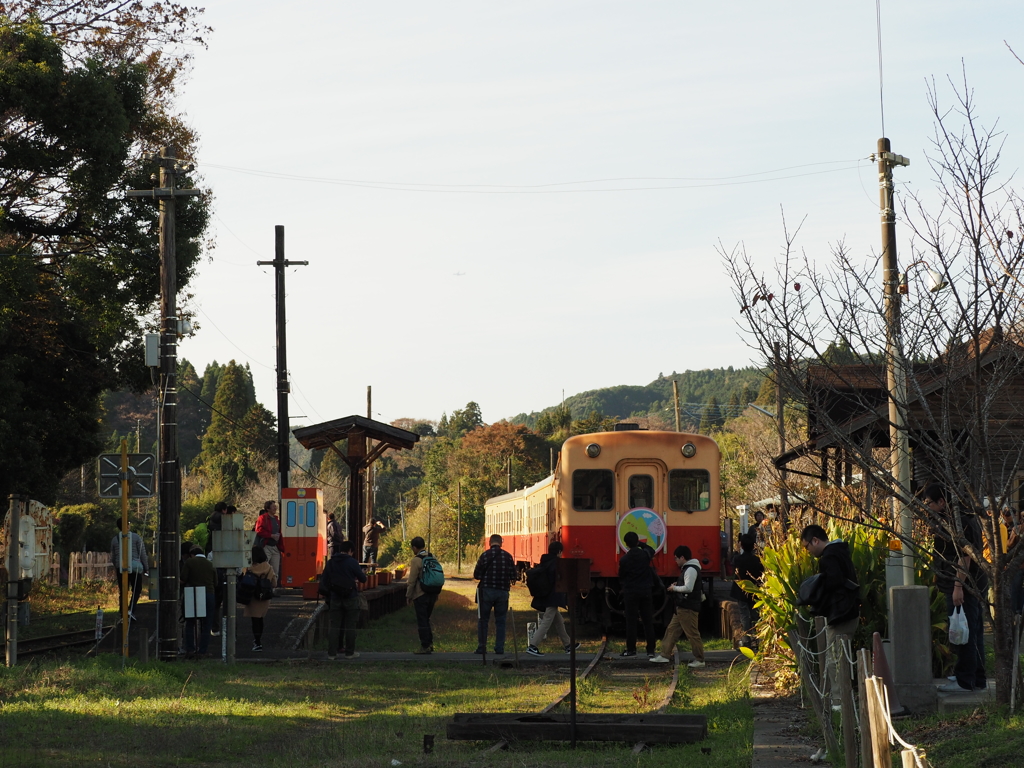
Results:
338 585
138 566
962 582
636 579
268 536
688 597
421 601
371 539
496 572
839 600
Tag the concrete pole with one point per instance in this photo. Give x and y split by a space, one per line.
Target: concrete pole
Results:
13 575
232 610
895 363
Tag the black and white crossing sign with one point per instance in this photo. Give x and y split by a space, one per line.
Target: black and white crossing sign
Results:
141 475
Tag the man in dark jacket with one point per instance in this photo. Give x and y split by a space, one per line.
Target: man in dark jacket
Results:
198 572
746 567
688 595
963 584
338 585
840 601
636 579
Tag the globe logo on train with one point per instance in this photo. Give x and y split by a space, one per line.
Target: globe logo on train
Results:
648 526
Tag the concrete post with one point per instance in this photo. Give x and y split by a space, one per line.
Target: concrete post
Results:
911 646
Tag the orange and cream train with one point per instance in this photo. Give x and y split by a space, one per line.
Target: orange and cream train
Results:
663 485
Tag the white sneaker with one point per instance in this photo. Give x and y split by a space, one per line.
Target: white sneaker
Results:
659 659
696 664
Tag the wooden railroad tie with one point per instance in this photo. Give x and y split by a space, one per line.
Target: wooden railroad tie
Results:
651 728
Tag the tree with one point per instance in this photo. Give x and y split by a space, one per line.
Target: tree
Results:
962 351
77 271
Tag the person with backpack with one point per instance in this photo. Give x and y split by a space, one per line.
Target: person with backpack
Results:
338 586
269 536
257 584
540 580
689 595
423 590
838 598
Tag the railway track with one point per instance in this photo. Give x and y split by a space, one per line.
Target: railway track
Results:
50 643
598 658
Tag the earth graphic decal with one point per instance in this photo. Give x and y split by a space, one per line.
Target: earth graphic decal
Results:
647 524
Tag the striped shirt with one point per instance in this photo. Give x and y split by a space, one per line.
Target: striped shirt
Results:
495 569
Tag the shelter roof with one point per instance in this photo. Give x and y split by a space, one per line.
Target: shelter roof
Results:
323 436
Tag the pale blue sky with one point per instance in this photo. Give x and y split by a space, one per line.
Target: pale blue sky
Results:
563 290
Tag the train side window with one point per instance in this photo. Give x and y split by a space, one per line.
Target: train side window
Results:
689 490
641 491
593 489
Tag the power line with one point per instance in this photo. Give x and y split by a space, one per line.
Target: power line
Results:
546 189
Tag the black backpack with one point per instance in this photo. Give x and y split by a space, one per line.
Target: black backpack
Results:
246 588
540 580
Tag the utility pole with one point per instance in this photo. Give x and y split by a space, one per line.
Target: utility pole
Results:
458 531
370 476
283 387
895 364
170 478
675 396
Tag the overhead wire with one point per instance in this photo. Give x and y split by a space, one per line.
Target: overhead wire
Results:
547 188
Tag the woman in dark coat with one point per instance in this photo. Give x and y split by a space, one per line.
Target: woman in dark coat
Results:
548 605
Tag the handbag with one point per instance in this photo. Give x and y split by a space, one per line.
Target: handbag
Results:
959 633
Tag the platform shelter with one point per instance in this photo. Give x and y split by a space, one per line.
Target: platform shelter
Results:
366 440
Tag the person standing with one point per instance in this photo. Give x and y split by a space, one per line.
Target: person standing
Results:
334 535
215 523
257 609
138 566
746 567
547 605
422 602
496 572
338 585
371 539
839 600
688 597
636 580
963 583
268 535
199 572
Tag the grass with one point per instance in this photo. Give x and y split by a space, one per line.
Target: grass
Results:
989 737
323 714
90 712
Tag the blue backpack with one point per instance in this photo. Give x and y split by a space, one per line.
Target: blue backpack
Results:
432 575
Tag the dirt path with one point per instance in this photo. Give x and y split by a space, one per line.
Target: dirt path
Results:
779 723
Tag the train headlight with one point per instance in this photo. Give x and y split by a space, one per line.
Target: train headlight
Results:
593 450
689 450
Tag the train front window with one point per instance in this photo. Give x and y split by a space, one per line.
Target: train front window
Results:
593 490
689 490
641 491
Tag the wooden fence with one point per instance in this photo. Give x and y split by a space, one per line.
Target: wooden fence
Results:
83 566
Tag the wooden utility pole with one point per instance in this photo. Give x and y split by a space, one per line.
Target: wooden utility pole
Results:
283 386
458 530
895 364
675 396
371 471
169 471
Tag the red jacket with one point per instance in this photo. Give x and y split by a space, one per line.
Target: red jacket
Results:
266 525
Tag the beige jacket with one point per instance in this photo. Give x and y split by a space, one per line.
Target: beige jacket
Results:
257 609
414 588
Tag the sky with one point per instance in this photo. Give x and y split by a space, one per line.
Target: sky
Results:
505 202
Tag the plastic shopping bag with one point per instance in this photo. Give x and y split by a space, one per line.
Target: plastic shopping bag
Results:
958 631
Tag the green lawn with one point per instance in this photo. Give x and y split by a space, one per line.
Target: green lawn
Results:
90 712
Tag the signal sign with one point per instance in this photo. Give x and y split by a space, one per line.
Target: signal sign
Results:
141 473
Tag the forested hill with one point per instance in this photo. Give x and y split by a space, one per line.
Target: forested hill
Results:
713 393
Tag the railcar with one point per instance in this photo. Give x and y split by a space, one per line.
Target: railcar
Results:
665 486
